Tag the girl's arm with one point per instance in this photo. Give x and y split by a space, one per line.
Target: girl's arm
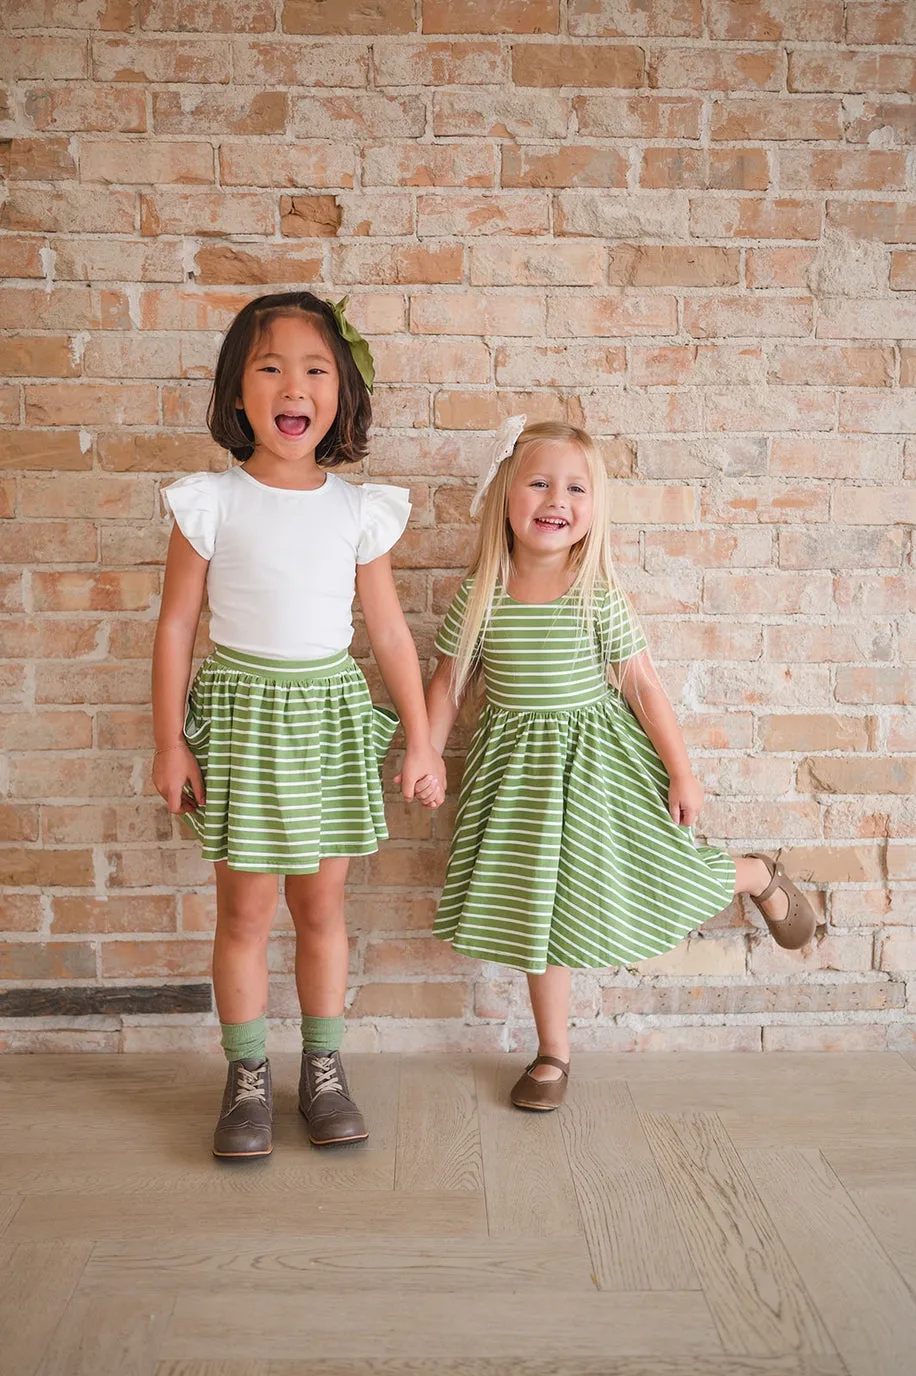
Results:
441 705
396 655
174 767
640 686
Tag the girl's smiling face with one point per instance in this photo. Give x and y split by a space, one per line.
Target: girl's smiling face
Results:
550 499
289 389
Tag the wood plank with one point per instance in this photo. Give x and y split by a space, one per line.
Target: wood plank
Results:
320 1213
865 1305
751 1285
348 1264
891 1166
97 1338
438 1145
891 1215
699 1364
633 1239
9 1203
528 1182
37 1280
504 1326
229 1368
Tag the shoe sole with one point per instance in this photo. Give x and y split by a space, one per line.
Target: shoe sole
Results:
241 1155
334 1141
536 1108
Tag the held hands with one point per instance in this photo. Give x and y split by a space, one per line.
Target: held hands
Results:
422 776
177 778
685 798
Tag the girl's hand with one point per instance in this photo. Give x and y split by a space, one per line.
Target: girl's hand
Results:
685 798
177 778
423 776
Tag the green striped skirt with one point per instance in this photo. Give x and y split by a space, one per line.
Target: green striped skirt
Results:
291 754
564 852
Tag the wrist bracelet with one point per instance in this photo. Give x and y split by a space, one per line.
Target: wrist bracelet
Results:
163 749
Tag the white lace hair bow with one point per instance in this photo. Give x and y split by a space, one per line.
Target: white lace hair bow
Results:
504 442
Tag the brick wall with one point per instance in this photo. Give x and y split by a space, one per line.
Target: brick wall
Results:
689 225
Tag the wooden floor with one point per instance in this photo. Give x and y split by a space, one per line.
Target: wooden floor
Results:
719 1215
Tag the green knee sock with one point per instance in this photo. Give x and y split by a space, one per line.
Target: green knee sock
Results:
322 1034
245 1041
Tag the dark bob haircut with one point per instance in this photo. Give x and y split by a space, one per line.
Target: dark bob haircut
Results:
346 441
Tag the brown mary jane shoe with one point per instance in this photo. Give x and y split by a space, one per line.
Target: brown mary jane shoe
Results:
542 1095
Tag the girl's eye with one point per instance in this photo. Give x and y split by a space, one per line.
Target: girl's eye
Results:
321 371
268 368
576 488
538 482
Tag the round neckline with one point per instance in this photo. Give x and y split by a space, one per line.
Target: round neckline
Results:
287 491
556 601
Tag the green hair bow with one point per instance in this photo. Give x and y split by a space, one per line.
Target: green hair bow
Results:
362 356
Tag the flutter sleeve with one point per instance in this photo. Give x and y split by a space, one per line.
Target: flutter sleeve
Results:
383 516
624 634
193 503
450 630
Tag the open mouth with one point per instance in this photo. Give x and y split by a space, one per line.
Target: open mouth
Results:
551 523
294 427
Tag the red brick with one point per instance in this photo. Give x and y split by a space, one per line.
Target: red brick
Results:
41 159
402 63
51 542
160 59
695 365
412 164
37 356
881 115
102 683
485 410
770 409
71 210
79 403
875 505
642 116
348 17
476 313
58 960
388 263
232 265
853 547
575 64
112 160
208 16
63 308
207 212
612 411
125 730
45 868
828 366
907 367
720 169
111 590
286 165
677 551
513 114
829 644
715 69
833 70
310 217
765 501
190 309
140 913
358 117
20 912
842 458
117 260
454 213
828 169
558 365
276 63
892 221
611 316
158 453
446 1000
776 118
880 683
79 107
879 412
20 257
26 638
744 315
858 774
654 265
156 959
43 58
755 218
774 592
383 213
881 21
18 822
213 111
806 19
422 360
491 16
663 18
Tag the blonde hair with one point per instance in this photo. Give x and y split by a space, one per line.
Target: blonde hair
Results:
491 567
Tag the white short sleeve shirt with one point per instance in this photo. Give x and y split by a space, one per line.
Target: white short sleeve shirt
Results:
282 573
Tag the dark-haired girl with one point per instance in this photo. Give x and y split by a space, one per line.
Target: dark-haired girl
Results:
274 758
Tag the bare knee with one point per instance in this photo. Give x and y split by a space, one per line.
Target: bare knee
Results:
245 910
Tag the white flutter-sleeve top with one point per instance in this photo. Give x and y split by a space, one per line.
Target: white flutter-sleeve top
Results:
282 572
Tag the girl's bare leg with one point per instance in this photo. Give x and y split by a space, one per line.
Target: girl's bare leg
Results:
245 908
316 903
549 994
752 876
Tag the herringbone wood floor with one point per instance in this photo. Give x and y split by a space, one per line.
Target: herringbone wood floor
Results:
682 1215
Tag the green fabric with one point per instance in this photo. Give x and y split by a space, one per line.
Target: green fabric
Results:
322 1034
564 852
245 1041
290 755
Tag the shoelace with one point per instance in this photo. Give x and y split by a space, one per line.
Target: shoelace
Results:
326 1078
249 1085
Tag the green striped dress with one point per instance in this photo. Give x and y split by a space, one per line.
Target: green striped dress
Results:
564 852
290 754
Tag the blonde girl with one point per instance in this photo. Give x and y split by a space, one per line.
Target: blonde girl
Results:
573 845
